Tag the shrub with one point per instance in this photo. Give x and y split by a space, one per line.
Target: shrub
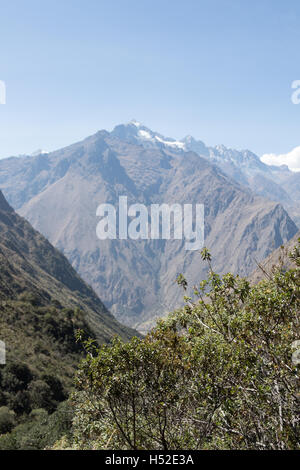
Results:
7 420
216 374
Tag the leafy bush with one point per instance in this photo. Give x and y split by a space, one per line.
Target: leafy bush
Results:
42 358
15 377
216 374
7 420
40 431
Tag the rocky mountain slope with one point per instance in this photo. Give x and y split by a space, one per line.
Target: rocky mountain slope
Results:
59 194
31 265
279 257
275 183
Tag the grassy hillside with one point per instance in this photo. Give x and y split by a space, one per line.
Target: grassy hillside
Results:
43 303
29 263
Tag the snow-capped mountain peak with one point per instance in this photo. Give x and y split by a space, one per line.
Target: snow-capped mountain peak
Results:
135 132
232 161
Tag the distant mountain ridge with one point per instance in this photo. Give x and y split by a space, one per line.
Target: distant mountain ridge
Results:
275 183
59 193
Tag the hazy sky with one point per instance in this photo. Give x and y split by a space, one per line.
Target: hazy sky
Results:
220 70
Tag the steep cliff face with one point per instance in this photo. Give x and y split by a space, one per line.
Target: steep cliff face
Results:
278 258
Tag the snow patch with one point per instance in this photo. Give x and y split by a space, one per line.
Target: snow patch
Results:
145 134
175 143
135 123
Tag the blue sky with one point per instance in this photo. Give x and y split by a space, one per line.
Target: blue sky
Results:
220 70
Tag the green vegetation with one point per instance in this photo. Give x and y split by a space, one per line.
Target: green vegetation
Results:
43 302
42 357
31 267
220 373
216 374
39 431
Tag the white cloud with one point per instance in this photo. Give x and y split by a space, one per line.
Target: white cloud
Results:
291 159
